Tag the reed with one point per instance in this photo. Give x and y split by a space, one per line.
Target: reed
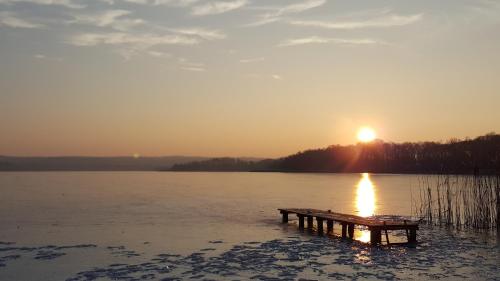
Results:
460 201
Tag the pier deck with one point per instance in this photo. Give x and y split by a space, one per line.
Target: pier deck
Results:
376 226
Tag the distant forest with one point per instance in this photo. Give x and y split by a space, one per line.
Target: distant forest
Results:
11 163
469 156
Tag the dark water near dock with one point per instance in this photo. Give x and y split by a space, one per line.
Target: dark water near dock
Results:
147 225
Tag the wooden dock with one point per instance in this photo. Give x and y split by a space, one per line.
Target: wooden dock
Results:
376 226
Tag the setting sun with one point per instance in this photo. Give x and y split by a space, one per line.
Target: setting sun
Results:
366 134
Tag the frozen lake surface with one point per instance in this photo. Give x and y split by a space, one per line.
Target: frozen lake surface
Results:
213 226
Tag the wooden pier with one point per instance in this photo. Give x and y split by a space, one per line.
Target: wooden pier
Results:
376 226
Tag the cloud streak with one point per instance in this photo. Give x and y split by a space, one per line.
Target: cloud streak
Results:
250 60
217 7
326 40
14 21
203 33
143 41
44 57
297 8
277 13
64 3
178 3
386 21
112 18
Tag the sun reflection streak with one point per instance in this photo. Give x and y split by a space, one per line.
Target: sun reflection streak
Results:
364 236
365 196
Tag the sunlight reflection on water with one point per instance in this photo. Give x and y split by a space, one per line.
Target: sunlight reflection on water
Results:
365 202
365 196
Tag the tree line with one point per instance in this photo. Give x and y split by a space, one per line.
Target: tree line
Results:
480 155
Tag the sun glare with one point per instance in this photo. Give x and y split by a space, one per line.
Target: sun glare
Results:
366 134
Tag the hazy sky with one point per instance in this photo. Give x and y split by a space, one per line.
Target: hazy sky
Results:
242 77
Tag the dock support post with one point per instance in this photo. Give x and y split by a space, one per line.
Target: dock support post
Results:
319 222
407 233
350 230
310 222
329 226
344 230
375 236
413 236
301 221
285 216
386 235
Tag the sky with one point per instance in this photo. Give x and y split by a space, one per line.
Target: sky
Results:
261 78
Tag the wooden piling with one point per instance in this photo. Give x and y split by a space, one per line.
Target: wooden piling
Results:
350 230
310 222
285 217
319 222
375 236
329 226
407 233
344 230
301 221
386 234
413 236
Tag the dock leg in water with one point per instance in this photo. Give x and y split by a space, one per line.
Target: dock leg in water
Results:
350 230
329 226
413 236
310 222
319 222
344 230
285 216
375 236
301 221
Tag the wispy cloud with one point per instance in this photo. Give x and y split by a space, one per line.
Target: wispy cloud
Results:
277 13
132 1
193 68
386 21
158 54
188 65
262 21
179 3
217 7
206 34
113 18
142 41
325 40
44 57
64 3
250 60
297 8
277 77
128 41
176 3
12 20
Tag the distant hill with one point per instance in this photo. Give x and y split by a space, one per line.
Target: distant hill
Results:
224 165
8 163
479 155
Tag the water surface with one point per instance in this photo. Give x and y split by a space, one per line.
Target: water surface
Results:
126 225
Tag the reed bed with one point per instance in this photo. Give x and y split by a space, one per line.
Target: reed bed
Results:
460 201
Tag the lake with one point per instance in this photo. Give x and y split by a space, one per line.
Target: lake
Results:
213 226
